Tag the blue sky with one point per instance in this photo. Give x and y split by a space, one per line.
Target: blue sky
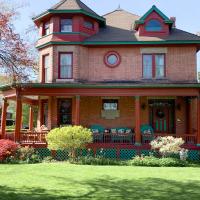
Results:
187 12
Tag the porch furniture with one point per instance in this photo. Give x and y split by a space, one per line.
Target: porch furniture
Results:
147 133
121 135
98 132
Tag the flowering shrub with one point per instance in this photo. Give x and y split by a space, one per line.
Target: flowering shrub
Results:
69 138
8 149
167 145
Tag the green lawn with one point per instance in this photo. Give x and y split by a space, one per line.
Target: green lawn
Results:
57 181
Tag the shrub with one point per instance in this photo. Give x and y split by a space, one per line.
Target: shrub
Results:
8 149
28 155
69 138
48 159
167 145
90 160
151 161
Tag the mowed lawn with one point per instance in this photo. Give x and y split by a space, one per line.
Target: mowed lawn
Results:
57 181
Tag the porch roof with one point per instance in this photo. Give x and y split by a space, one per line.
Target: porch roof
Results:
101 85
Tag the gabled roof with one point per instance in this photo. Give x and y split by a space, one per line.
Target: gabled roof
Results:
159 12
71 6
121 19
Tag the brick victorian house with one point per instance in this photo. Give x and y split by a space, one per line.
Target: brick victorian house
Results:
112 71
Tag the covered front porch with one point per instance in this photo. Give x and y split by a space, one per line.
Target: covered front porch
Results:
114 113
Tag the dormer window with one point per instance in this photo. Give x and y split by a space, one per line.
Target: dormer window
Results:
66 25
153 25
46 29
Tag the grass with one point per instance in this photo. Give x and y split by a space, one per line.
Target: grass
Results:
62 181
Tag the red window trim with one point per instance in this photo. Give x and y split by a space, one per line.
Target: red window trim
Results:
60 23
59 66
106 59
154 65
43 67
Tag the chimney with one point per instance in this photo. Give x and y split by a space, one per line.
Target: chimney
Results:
174 21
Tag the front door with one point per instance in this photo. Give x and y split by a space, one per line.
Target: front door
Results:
162 115
64 112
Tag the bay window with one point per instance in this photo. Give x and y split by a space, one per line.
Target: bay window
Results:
66 65
153 66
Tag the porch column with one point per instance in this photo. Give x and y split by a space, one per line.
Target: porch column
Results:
188 116
77 110
137 121
31 118
18 119
3 118
50 100
198 121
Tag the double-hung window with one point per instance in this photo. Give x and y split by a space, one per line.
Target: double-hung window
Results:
46 67
46 29
66 25
153 66
66 65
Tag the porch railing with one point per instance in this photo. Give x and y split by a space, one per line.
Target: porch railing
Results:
33 137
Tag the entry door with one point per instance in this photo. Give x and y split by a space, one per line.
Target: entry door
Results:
64 112
162 116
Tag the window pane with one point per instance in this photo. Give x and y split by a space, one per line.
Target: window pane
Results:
46 68
112 59
147 66
110 104
65 65
153 25
46 29
66 59
160 66
66 25
88 24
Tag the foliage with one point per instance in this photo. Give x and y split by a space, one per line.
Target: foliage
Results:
69 138
48 159
15 60
151 161
28 155
8 149
167 145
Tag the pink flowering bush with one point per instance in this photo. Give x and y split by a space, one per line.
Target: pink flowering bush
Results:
167 145
8 149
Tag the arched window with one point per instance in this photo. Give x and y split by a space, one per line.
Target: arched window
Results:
153 25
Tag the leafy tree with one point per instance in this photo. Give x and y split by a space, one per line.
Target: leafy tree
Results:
69 138
15 60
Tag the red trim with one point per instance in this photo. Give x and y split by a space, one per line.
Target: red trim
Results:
154 65
59 66
109 54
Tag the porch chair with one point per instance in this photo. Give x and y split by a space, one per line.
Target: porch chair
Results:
121 135
98 132
147 133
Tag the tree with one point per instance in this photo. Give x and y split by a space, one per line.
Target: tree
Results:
15 60
69 138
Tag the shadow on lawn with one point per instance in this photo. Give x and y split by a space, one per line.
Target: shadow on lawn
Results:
106 188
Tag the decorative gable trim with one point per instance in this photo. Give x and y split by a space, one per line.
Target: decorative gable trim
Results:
153 9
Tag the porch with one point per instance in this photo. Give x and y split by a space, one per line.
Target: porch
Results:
170 111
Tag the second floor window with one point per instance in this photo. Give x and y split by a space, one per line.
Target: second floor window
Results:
88 24
46 67
46 30
153 25
66 65
153 66
66 25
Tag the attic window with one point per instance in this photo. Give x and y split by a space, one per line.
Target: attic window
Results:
66 25
153 25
